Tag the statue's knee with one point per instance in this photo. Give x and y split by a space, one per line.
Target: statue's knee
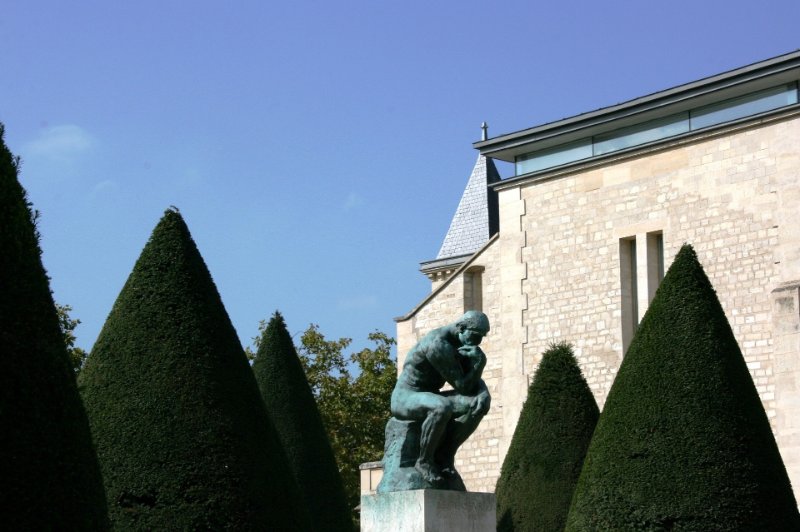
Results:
473 418
478 414
443 410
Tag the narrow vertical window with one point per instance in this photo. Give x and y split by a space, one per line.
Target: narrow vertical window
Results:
655 263
630 292
660 244
473 289
641 269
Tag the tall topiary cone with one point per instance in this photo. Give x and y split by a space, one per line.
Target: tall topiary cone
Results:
182 435
293 410
50 476
683 442
548 447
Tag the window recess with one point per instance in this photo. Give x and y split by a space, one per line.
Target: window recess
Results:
641 269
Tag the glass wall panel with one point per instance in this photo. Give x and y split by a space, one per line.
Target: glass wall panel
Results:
653 130
641 133
752 104
563 154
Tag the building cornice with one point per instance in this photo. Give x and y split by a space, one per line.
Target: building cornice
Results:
785 113
784 68
439 269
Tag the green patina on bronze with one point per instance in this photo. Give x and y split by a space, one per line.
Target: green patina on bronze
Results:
428 424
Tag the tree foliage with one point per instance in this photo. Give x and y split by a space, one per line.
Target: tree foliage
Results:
293 410
183 437
683 442
352 395
548 447
354 409
51 478
67 324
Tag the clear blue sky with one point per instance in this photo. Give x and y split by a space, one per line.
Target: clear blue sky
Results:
317 150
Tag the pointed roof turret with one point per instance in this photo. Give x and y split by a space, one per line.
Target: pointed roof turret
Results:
474 222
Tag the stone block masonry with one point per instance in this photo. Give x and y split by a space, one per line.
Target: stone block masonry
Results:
557 269
723 194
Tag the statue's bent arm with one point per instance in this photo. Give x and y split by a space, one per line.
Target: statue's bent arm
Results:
443 357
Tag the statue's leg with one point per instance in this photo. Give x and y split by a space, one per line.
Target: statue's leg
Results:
432 431
460 427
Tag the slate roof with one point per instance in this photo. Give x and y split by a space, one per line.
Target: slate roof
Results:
475 219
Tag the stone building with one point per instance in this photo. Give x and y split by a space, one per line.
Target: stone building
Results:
573 246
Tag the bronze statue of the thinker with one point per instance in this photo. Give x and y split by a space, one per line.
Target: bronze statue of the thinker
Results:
429 424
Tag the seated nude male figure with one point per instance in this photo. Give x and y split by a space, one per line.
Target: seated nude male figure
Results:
447 354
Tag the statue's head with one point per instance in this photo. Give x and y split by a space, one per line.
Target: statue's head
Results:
472 327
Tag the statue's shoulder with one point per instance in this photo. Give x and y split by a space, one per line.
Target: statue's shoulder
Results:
438 343
435 336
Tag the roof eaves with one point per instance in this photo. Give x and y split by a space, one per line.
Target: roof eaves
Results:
662 98
440 264
659 145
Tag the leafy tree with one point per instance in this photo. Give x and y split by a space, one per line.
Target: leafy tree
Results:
683 442
183 437
67 324
294 412
51 478
548 447
352 394
354 409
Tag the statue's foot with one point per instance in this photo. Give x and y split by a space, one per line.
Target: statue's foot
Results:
449 472
454 481
447 466
430 473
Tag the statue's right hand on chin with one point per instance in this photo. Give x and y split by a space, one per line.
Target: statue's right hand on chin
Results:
468 350
473 352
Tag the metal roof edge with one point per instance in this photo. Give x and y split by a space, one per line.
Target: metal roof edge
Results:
435 264
753 71
785 113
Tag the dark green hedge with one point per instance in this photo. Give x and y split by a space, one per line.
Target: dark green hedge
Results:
183 437
51 479
683 442
548 447
294 412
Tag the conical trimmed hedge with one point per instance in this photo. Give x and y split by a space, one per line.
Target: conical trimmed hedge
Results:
49 470
294 412
549 444
183 437
683 442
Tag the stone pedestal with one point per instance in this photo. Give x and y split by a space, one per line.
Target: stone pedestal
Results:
428 511
400 453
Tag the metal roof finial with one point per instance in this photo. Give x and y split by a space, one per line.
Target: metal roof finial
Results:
484 131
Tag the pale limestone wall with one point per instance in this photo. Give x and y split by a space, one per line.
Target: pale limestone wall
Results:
734 197
478 459
553 273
